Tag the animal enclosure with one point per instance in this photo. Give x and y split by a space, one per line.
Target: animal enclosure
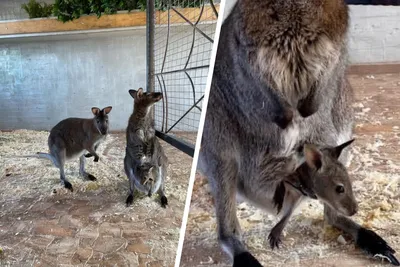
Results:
178 65
62 72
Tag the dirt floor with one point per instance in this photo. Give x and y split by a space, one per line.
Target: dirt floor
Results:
43 224
375 164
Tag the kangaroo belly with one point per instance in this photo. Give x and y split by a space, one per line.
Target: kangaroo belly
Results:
74 153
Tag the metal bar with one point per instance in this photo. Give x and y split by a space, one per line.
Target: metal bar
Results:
194 26
150 45
166 102
167 42
181 118
194 36
193 88
213 8
178 143
182 70
163 104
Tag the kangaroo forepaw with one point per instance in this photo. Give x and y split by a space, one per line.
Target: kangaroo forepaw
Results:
274 240
129 200
88 155
374 245
96 159
245 259
68 185
164 201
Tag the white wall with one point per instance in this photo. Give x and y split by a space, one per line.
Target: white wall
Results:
374 33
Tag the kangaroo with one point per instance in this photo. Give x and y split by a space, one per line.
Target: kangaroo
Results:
280 183
145 162
71 137
271 52
283 182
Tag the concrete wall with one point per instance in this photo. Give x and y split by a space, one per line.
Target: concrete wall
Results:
374 34
44 80
11 9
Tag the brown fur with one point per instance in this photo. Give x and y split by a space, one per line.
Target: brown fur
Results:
299 46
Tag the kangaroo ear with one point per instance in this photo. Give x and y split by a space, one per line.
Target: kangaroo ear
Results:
95 111
313 156
136 94
107 109
139 93
336 151
133 93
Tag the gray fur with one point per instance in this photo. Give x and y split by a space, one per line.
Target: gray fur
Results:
72 137
145 162
247 121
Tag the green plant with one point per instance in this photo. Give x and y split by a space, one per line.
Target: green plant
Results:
66 10
37 10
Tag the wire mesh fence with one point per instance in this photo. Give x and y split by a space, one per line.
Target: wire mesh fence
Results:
183 40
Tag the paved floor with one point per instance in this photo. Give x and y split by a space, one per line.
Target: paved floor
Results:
308 241
42 224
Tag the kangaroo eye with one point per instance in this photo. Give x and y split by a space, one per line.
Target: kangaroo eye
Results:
340 189
98 121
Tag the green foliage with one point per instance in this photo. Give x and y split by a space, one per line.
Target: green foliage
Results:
37 10
163 4
66 10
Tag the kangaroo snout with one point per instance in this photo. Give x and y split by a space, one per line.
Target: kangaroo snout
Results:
158 96
352 210
104 131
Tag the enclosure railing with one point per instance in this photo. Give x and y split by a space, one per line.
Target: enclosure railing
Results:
180 38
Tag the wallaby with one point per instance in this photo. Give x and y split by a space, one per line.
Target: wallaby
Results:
322 176
71 137
145 162
274 55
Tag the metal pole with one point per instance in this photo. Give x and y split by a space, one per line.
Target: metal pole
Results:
150 45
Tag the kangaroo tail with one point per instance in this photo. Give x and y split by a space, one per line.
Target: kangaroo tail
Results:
46 156
38 155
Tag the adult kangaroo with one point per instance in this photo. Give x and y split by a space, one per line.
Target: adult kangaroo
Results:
279 82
